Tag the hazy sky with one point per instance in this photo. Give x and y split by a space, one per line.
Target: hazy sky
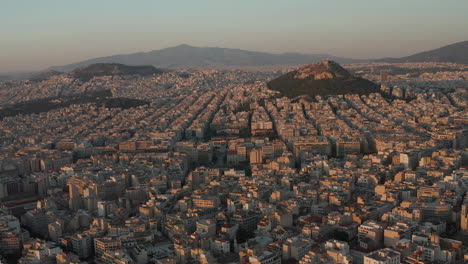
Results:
36 34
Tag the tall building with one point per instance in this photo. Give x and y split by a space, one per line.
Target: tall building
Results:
206 228
182 253
75 191
338 251
256 156
436 212
10 235
370 235
115 257
82 245
105 208
296 248
37 221
105 244
260 257
247 221
316 144
384 76
395 233
464 218
346 146
206 201
383 256
198 176
9 185
55 231
68 258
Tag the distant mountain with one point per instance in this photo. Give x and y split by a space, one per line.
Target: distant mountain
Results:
4 78
185 56
41 76
104 69
456 53
324 78
12 76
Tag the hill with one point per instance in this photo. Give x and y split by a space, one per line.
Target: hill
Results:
456 53
324 78
41 76
104 69
98 98
185 56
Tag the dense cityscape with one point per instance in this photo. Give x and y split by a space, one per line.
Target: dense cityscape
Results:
214 167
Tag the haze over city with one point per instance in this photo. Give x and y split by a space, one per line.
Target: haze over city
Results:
40 34
234 132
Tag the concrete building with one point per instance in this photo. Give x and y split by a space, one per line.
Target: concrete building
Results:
395 233
10 235
464 218
105 244
206 228
82 245
370 235
295 248
383 256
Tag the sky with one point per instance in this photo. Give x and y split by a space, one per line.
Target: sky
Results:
37 34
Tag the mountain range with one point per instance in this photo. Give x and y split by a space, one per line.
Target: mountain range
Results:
456 53
185 56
